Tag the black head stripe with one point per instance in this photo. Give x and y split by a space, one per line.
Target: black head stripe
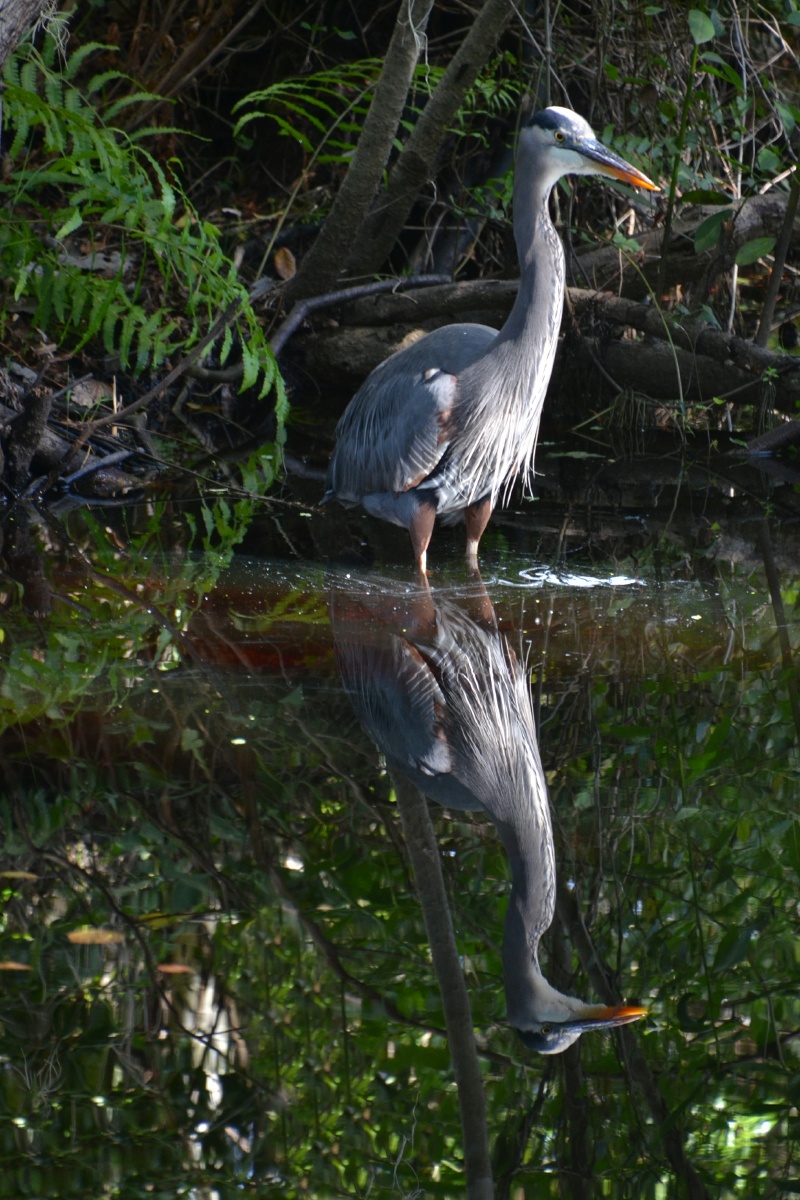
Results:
546 120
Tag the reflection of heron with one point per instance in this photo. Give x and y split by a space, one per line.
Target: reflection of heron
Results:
445 699
445 425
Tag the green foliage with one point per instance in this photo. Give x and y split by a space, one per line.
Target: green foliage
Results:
324 112
722 88
143 251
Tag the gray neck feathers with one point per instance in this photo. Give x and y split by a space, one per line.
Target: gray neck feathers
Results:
504 390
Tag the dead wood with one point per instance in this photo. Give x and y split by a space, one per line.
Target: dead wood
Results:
32 448
25 433
783 435
16 18
609 268
678 359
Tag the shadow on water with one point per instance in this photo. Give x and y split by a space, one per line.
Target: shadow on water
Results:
216 973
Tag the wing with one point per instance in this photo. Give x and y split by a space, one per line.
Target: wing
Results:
397 426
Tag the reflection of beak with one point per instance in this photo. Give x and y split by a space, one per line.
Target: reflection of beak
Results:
599 1016
606 162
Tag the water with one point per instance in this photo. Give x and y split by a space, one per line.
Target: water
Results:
216 975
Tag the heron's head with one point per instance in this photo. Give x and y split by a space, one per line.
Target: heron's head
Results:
560 1020
566 145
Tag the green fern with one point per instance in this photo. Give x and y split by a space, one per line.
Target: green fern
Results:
72 171
330 104
325 111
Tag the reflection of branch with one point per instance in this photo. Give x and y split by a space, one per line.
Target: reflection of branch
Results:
373 811
634 1060
511 1142
125 593
329 950
575 1162
774 584
424 851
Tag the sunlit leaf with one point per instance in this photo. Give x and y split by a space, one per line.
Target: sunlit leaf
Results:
95 937
700 26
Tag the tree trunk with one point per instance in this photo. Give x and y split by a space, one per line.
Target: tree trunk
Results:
16 18
334 243
417 161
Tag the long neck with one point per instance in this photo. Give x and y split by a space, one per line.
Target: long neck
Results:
536 315
527 835
503 391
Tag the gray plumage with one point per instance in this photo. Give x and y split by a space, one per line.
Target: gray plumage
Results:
446 700
445 426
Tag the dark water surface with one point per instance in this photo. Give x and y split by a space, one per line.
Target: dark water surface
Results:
216 979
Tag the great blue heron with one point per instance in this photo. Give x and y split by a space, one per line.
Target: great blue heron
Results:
444 697
446 424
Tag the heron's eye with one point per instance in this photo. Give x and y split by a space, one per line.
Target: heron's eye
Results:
549 1028
558 135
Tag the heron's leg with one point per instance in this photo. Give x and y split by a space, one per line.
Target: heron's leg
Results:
421 528
477 518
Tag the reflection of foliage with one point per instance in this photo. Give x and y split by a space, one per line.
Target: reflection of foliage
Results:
237 833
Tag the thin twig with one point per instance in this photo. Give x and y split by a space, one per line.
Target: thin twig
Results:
303 307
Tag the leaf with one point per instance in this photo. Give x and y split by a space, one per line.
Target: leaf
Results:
73 222
732 948
705 196
93 936
701 27
707 233
791 846
285 263
787 116
753 250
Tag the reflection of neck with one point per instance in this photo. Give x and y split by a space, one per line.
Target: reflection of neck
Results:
526 832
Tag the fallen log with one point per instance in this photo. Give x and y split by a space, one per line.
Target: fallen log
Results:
678 358
607 267
34 449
